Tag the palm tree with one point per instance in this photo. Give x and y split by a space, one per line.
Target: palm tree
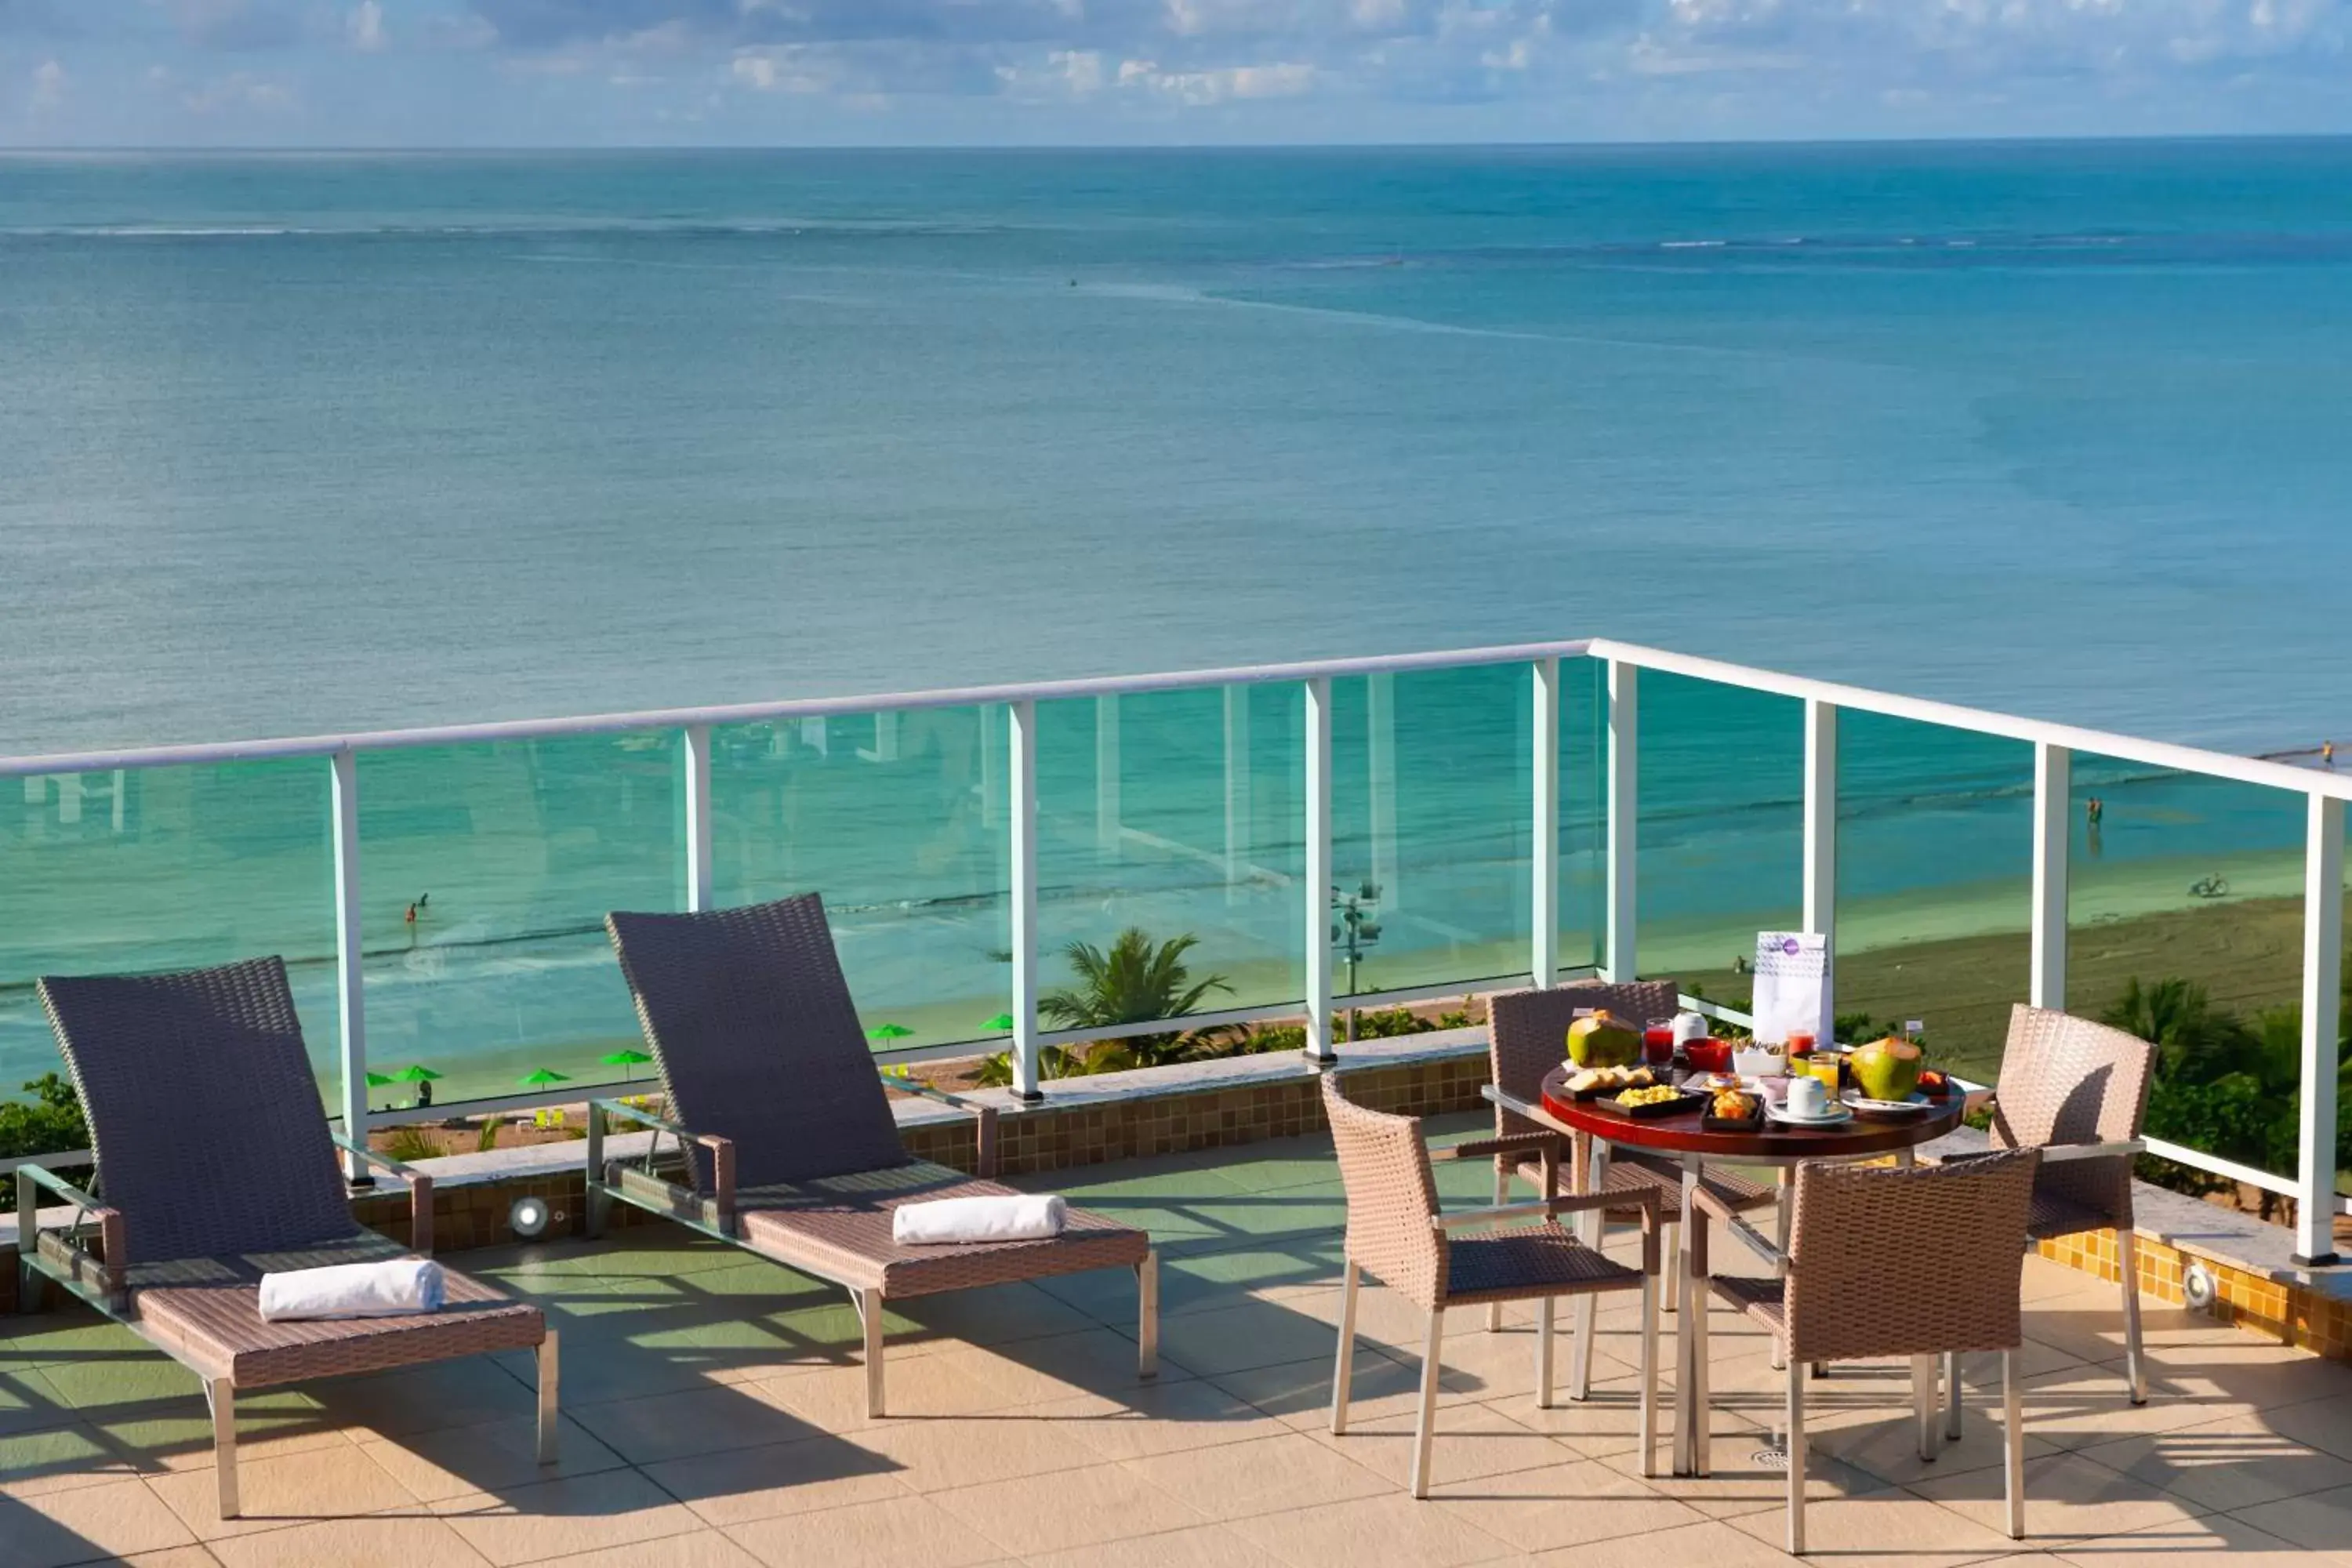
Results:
1135 982
2193 1039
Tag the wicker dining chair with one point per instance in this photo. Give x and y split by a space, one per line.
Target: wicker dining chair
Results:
2077 1091
1884 1261
1396 1234
1527 1036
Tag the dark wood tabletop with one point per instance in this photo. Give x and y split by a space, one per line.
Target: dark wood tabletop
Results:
1682 1134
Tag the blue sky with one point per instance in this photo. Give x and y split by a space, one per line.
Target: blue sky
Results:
181 73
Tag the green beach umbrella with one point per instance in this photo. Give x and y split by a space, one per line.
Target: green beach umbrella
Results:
415 1075
378 1081
889 1032
539 1076
1002 1022
624 1058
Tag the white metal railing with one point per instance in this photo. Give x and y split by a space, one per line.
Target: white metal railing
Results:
2054 745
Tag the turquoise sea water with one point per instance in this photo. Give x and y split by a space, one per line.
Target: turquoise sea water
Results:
296 444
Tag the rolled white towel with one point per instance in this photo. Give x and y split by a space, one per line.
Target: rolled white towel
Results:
389 1290
1016 1216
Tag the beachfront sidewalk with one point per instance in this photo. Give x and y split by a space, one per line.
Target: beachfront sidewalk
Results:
712 1417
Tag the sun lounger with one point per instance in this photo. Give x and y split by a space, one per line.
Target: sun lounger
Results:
790 1145
216 1167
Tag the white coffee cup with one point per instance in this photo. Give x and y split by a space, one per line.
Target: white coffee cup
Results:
1807 1097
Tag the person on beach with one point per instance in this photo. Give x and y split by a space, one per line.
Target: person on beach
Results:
2327 753
2094 810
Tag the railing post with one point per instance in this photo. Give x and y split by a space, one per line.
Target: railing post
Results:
1821 822
1022 811
1107 776
1624 818
2053 770
1319 1045
1543 907
698 817
1237 790
350 1004
2323 977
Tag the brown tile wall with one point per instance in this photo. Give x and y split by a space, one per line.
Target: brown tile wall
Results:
2255 1302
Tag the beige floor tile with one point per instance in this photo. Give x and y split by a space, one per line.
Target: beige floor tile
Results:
170 1557
703 1549
1472 1440
833 1399
1039 1514
1739 1484
908 1530
566 1518
747 1484
1163 1419
1032 1372
1563 1505
2087 1405
1610 1421
701 1421
118 1519
410 1540
943 1453
425 1398
2321 1521
59 1458
1249 1334
2213 1541
1299 1392
2067 1498
2238 1462
340 1482
456 1461
1887 1445
1234 1480
1892 1529
1391 1529
1203 1546
2325 1423
1713 1545
2238 1366
182 1438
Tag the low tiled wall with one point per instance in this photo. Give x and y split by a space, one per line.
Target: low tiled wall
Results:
1171 1111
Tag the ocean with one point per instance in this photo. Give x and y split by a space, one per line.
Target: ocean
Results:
304 443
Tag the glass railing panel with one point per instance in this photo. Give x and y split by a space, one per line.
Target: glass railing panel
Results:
1179 815
1722 835
2185 925
1431 801
1935 865
900 821
488 871
1583 812
164 868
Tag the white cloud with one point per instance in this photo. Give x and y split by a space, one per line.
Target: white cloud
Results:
240 90
48 85
364 26
1286 79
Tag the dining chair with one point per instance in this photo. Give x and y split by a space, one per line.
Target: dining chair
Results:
2077 1091
1527 1036
1883 1261
1515 1252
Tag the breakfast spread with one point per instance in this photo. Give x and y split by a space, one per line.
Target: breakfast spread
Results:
1656 1094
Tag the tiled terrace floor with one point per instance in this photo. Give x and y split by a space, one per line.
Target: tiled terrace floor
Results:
711 1417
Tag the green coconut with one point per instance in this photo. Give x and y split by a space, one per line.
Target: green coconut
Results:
1598 1040
1885 1069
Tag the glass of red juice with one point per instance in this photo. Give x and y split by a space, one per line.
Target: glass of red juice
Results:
1801 1043
1658 1043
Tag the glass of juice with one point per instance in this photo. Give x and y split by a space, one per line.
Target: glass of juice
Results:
1658 1042
1801 1043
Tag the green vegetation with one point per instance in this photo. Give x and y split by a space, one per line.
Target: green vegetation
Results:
50 1123
1137 981
408 1144
2226 1085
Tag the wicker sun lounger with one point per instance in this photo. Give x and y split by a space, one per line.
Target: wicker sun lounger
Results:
792 1149
216 1167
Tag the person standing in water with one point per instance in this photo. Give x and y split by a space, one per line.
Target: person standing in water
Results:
2327 753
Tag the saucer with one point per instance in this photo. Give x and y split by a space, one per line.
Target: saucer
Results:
1830 1118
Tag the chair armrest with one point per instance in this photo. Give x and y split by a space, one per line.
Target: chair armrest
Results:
1705 1207
723 1150
419 1184
2067 1153
1641 1198
1496 1094
1545 1146
30 1180
984 1133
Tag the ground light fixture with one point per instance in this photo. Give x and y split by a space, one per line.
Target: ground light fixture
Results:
529 1219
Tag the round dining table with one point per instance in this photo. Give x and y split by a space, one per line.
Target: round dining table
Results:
1594 1130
